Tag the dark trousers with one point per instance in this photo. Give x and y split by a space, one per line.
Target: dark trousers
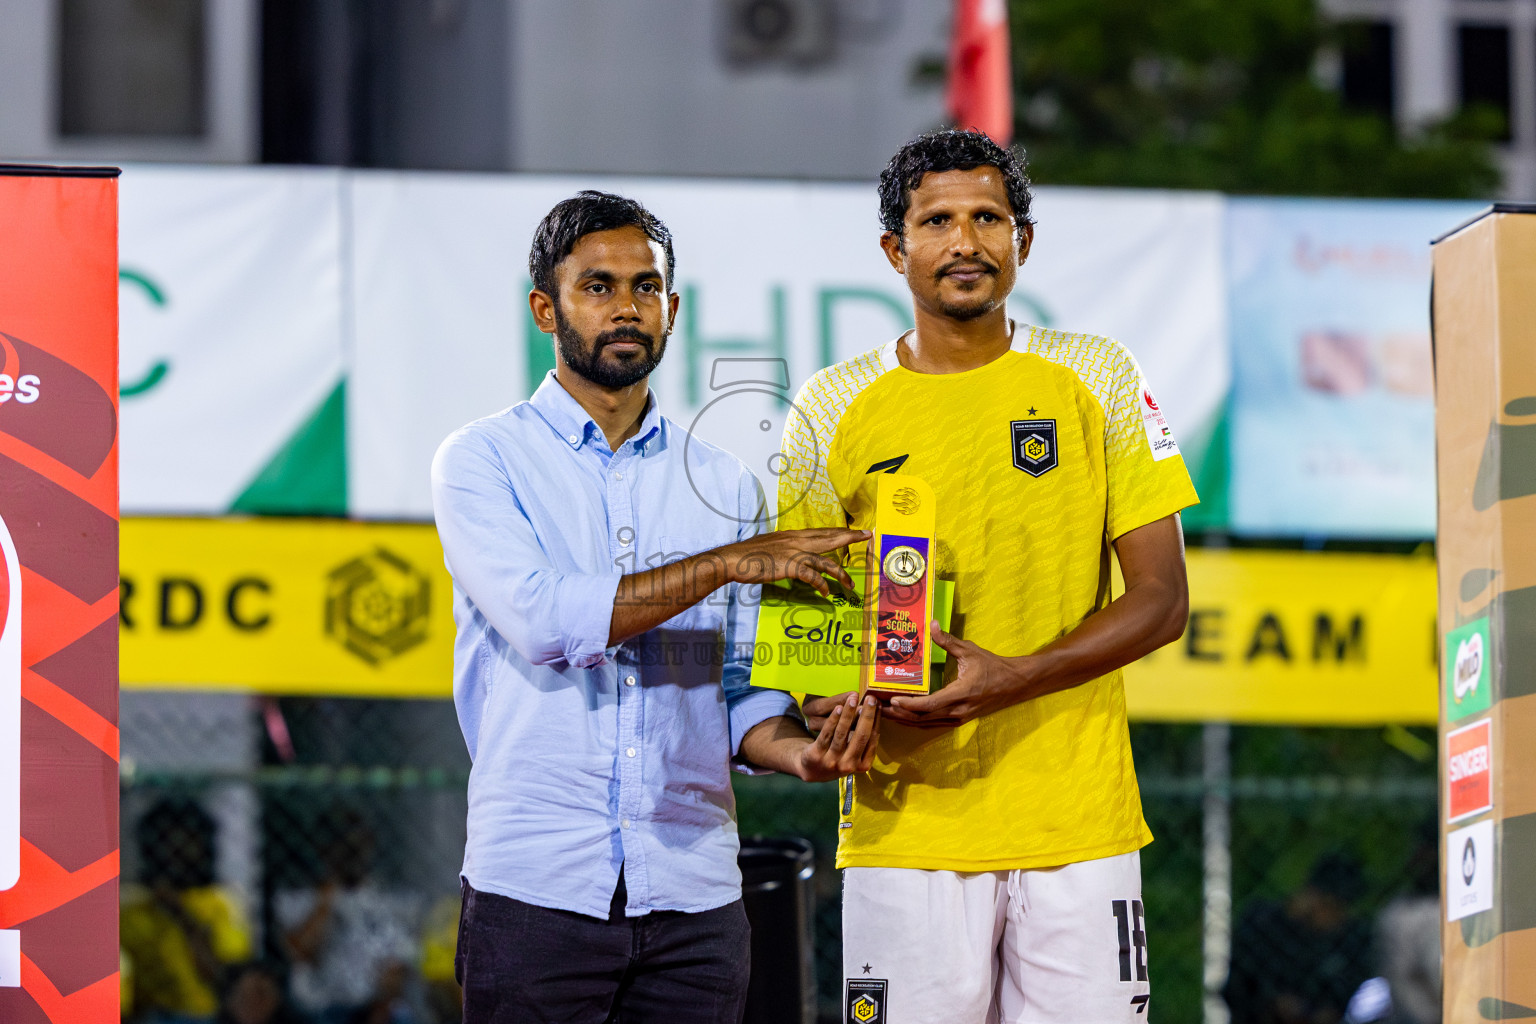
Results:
522 964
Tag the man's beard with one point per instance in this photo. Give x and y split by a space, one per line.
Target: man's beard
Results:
972 310
973 307
618 372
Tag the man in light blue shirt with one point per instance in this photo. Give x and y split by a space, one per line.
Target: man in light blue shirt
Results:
606 613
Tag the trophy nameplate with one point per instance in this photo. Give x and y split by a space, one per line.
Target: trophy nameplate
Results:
898 603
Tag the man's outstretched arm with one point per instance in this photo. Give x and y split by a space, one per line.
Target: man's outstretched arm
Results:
644 600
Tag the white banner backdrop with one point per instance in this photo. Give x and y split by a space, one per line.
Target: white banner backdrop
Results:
780 271
231 325
1333 409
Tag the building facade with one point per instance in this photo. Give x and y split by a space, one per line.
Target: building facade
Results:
772 88
1422 60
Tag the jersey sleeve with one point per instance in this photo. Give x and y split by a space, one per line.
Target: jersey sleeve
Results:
1145 473
807 498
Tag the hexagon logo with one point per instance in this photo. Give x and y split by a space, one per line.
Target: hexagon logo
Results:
376 605
1034 445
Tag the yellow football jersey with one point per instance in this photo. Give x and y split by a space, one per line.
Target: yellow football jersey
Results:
1038 460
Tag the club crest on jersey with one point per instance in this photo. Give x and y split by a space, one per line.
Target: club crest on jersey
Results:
1034 445
866 1000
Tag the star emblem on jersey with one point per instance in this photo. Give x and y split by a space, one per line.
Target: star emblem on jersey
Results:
1034 445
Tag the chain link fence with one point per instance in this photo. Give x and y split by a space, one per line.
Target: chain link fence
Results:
295 860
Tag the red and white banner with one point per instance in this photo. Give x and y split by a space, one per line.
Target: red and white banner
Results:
58 596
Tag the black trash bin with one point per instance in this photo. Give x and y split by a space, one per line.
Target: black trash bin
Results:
780 899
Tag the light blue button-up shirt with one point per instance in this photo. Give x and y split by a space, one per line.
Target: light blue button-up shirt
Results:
586 757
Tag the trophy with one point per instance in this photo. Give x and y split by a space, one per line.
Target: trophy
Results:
898 599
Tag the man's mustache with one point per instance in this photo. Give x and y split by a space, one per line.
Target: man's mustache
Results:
634 334
970 264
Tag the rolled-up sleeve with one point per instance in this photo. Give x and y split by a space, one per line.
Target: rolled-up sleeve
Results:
495 557
748 705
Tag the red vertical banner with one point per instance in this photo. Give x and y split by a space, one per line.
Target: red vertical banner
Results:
979 90
58 596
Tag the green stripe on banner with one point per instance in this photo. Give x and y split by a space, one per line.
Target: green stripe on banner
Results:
1209 465
308 475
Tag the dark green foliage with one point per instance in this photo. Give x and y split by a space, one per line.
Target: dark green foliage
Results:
1218 94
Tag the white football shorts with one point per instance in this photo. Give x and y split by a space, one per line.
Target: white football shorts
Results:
1064 945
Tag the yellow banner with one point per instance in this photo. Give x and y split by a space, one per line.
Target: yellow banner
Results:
336 608
1306 638
319 607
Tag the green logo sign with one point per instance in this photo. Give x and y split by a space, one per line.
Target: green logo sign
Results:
1468 670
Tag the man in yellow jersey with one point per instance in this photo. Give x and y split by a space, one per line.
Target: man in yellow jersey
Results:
993 872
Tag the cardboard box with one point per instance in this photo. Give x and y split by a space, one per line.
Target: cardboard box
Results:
1484 306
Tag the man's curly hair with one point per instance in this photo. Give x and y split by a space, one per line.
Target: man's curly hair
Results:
950 149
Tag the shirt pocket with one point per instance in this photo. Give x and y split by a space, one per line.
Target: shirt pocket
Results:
671 548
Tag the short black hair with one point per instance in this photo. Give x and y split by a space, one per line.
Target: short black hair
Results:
582 214
950 149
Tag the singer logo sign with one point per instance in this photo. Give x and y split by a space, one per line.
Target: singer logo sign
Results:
1469 770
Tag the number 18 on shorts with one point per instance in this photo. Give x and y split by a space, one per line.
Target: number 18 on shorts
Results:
1064 945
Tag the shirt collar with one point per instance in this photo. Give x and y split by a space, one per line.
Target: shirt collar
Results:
568 419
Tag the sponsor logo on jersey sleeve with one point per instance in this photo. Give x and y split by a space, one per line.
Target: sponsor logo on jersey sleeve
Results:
1159 435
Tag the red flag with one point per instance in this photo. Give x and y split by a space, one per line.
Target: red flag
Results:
980 87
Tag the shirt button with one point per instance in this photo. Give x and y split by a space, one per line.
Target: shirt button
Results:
626 540
624 823
629 680
573 439
618 476
630 752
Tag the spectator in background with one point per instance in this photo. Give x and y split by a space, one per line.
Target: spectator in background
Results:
179 931
1300 961
254 995
439 944
351 941
1408 936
